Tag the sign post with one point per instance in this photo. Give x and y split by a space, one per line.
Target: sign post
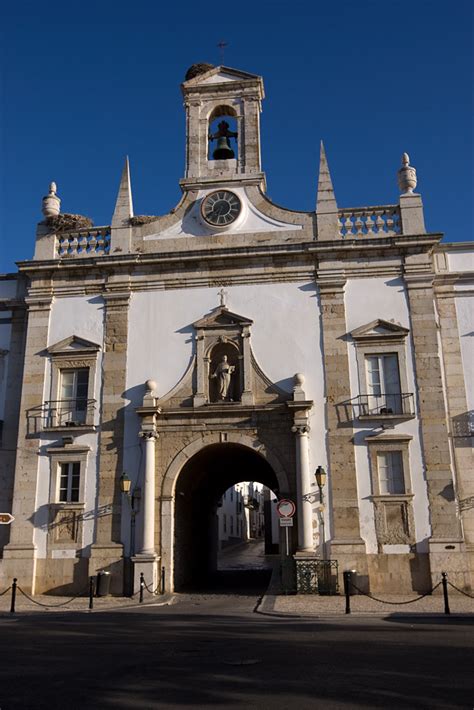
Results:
6 518
286 510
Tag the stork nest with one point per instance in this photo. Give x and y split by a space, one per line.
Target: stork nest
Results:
141 219
196 69
69 222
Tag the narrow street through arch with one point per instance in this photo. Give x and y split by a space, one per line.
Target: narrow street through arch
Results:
198 563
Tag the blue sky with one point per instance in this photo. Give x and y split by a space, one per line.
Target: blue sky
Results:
84 84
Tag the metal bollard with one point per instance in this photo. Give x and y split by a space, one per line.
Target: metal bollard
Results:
91 592
162 585
12 605
142 587
444 582
347 589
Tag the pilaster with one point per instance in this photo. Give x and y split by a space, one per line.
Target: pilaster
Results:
446 533
346 540
10 432
457 410
19 555
107 549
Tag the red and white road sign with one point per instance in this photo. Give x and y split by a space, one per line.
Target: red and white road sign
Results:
286 508
6 518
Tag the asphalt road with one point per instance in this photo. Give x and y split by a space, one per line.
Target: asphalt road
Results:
214 651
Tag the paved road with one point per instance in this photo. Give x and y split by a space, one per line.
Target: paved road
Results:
249 556
213 651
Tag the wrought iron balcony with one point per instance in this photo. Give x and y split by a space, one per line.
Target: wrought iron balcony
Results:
384 405
68 412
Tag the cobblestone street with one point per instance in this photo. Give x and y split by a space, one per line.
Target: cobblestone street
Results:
249 556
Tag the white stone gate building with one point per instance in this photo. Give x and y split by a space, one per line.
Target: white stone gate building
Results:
234 340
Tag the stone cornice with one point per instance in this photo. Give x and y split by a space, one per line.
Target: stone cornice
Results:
243 264
213 411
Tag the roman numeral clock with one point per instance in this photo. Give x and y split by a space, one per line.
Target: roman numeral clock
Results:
221 208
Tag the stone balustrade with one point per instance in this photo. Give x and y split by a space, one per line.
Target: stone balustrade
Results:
84 242
366 222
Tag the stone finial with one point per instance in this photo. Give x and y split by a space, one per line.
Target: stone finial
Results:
326 200
149 397
298 392
406 176
326 205
150 386
51 202
124 203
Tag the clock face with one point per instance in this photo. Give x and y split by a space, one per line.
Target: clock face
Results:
221 208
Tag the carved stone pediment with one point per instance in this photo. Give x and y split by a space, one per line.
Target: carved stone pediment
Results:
379 330
221 317
73 345
223 370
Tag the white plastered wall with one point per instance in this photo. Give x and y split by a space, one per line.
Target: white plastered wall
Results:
366 300
465 317
81 316
285 340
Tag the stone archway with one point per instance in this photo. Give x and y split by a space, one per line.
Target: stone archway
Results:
193 484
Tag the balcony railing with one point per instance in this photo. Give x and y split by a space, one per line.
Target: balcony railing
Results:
68 412
384 405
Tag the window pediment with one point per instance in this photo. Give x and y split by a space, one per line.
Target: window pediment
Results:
73 345
379 330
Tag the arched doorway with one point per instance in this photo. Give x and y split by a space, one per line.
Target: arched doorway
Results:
199 487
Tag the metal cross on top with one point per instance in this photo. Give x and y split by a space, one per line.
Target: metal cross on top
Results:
222 45
223 293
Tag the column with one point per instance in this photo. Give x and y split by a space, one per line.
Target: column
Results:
303 488
147 546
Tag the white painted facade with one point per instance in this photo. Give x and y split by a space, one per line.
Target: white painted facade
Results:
297 299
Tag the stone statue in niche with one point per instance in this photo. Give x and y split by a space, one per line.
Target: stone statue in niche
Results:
223 374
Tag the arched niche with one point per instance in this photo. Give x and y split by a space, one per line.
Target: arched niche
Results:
223 333
225 372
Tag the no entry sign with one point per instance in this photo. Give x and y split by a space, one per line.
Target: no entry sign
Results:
286 508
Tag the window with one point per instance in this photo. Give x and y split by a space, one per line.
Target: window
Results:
383 382
231 524
72 405
380 349
224 520
69 482
73 375
391 489
390 471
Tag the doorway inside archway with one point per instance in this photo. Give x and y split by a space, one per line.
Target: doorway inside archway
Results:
222 470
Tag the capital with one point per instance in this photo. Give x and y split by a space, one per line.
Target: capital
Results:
147 435
301 429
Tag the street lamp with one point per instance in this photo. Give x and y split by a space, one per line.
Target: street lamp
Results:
320 475
125 484
126 489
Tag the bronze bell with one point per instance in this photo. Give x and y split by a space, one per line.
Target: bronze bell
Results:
223 150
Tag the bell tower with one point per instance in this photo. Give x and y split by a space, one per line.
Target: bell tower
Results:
223 108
